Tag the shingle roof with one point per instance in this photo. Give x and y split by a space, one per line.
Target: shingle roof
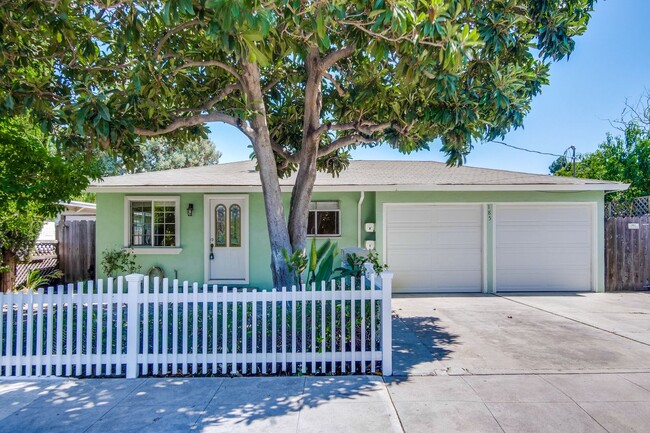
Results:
366 175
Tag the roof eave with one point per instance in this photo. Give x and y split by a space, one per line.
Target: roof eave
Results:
353 188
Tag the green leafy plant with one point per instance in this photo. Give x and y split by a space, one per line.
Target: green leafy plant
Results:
377 265
297 263
36 279
352 267
355 265
319 264
115 261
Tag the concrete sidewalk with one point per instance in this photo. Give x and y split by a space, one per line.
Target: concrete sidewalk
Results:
533 403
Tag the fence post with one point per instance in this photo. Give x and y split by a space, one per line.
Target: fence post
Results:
386 323
134 282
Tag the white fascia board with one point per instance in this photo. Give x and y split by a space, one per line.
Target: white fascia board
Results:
357 188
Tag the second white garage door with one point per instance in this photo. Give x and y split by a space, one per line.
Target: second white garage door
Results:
434 248
545 247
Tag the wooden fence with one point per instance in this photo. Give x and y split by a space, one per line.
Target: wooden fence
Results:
627 253
99 329
76 249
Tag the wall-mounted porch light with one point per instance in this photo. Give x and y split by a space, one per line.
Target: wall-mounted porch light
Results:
190 209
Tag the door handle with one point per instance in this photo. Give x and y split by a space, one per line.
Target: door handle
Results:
211 253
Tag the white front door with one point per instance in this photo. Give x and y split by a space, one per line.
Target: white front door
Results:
227 243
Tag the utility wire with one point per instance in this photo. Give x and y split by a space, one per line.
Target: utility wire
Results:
528 150
564 156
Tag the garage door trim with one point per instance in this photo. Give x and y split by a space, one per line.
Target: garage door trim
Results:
594 234
484 244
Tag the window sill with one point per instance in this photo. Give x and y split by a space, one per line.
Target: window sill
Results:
155 250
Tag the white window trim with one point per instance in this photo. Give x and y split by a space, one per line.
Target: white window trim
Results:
338 234
127 224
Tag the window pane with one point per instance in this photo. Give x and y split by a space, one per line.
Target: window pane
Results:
235 226
141 223
311 223
220 229
327 223
164 224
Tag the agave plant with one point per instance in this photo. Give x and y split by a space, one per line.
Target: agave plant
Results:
36 279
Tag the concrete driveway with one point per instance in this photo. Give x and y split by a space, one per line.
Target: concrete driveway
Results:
521 333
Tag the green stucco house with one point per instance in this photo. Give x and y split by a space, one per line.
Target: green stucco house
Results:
439 229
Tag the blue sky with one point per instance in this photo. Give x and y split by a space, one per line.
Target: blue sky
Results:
611 63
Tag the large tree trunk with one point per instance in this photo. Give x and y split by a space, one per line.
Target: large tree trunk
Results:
8 279
277 227
302 190
300 198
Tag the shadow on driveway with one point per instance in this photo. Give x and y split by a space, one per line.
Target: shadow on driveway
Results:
420 343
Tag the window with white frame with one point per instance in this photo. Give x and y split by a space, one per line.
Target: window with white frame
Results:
153 221
324 219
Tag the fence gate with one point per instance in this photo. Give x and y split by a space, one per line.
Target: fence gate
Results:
627 245
76 249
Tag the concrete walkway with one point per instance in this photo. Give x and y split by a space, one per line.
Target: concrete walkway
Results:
526 403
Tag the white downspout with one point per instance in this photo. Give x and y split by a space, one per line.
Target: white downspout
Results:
363 195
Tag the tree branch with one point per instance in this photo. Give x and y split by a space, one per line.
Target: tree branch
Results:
413 39
363 127
348 140
208 63
283 153
186 122
335 56
337 85
271 84
171 32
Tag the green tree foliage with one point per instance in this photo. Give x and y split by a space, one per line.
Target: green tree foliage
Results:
622 158
305 81
33 181
161 154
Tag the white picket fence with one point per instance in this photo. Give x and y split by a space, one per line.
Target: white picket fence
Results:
97 329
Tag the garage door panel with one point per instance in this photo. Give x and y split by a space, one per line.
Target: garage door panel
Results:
460 237
456 215
542 280
410 217
404 239
550 235
544 257
442 281
544 247
563 214
434 248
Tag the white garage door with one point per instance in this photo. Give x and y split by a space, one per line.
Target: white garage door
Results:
544 247
434 248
